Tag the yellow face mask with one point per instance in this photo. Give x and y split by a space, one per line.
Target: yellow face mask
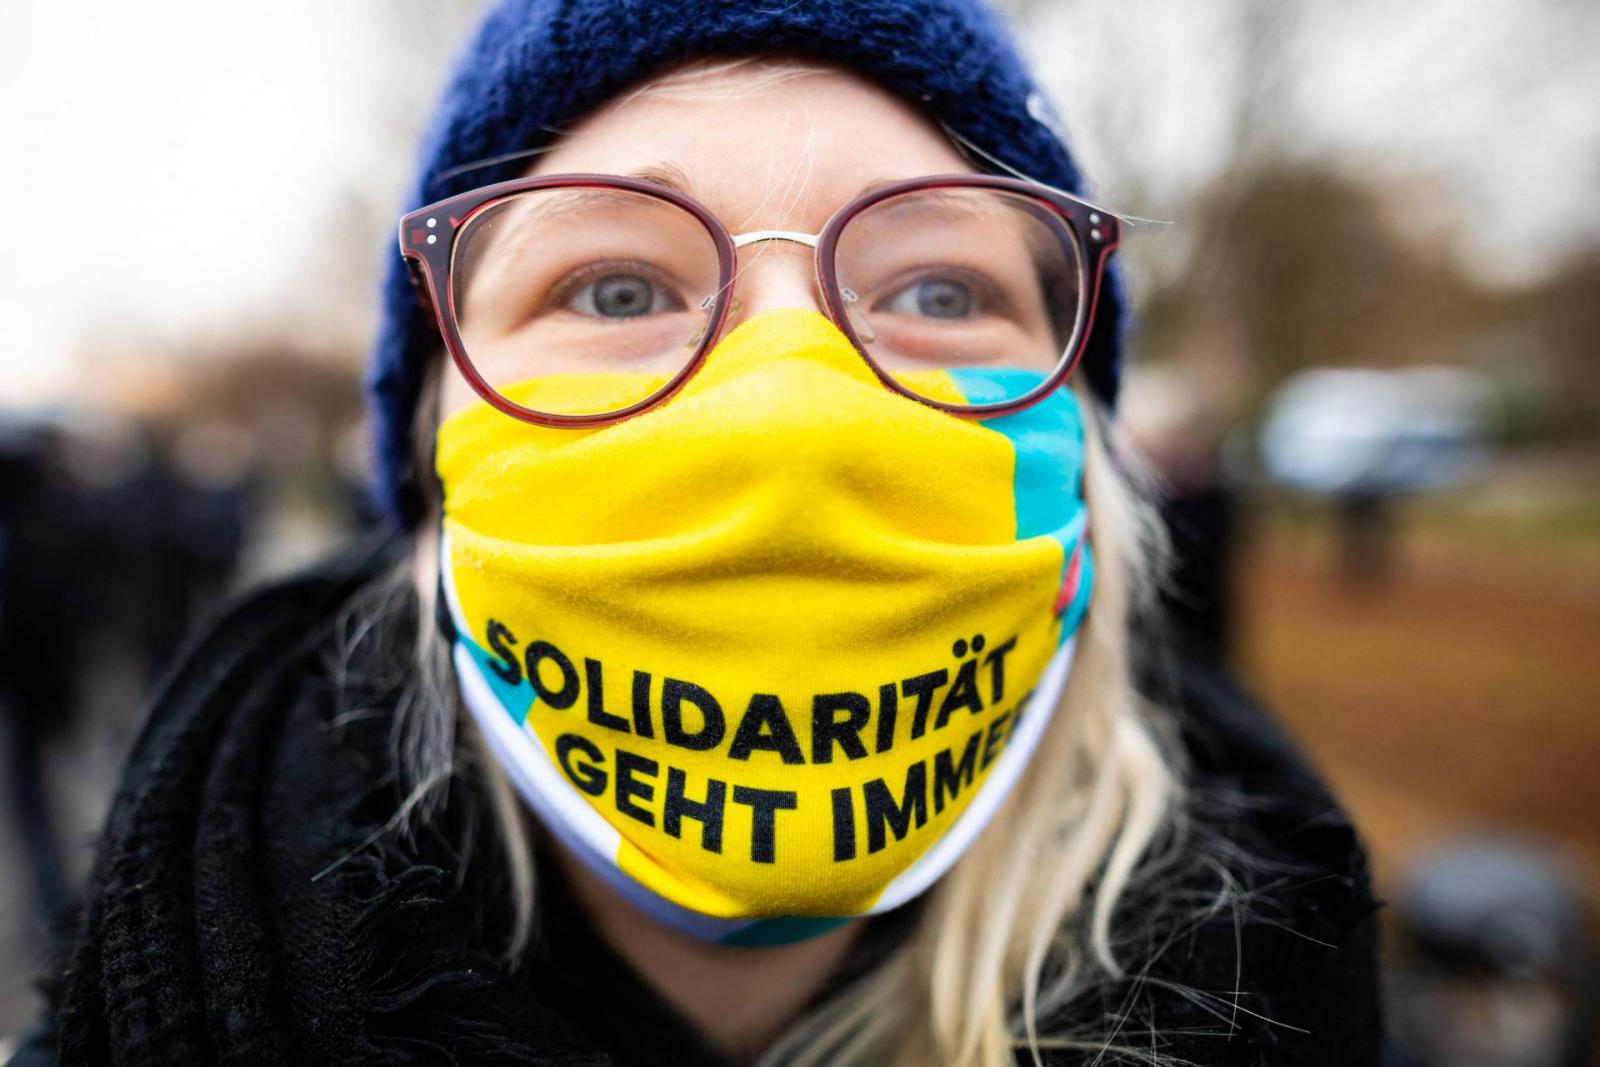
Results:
769 655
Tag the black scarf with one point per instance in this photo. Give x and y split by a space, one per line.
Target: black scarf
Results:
248 906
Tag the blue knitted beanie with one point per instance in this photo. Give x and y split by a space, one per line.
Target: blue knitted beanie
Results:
535 65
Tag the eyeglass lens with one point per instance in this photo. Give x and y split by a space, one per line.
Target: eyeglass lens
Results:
965 296
578 301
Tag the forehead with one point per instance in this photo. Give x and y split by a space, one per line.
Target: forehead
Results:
762 144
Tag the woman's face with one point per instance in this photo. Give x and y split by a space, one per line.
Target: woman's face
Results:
762 152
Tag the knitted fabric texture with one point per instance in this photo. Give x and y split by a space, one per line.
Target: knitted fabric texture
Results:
535 66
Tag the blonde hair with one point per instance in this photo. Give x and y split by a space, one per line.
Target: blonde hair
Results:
1005 939
1023 924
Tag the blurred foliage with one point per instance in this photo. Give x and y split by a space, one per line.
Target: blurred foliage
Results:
303 398
1298 265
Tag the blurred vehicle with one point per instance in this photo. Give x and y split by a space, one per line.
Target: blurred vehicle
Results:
1341 431
1359 439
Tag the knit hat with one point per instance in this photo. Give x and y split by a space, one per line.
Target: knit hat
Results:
536 65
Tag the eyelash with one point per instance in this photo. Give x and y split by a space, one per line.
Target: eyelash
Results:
563 292
990 299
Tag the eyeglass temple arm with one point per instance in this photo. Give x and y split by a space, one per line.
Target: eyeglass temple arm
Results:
419 283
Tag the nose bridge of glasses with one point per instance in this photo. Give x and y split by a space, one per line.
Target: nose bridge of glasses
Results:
785 296
744 240
763 281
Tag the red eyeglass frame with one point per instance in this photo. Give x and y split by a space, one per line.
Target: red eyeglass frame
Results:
428 236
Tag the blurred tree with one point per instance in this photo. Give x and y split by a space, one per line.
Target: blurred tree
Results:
1339 175
1546 337
339 274
1301 266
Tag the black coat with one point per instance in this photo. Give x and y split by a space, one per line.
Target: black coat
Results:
221 924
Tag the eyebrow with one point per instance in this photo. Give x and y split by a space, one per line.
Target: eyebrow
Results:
547 208
664 173
874 186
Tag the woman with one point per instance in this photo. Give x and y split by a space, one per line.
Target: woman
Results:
755 678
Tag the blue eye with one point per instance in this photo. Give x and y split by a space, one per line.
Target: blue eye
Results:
623 296
935 298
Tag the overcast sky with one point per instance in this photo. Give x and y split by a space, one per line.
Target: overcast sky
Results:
1489 105
168 164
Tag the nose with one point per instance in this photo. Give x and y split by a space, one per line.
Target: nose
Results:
775 269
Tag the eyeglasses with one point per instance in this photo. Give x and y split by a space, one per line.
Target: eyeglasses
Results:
581 299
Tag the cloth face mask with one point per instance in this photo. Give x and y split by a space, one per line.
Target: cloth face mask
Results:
769 655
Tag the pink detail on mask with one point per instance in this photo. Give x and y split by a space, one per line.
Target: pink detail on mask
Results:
1069 581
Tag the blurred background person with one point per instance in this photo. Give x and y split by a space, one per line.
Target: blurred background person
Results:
111 546
42 522
1177 426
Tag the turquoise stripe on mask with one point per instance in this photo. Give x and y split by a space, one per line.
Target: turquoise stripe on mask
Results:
1048 441
1047 481
516 697
765 933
